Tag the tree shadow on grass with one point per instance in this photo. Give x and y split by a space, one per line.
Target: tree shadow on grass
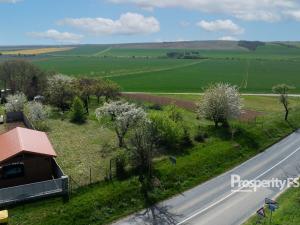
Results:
156 215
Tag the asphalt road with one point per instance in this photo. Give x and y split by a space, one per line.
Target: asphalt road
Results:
215 202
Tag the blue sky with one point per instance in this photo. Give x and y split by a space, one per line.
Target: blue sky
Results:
26 22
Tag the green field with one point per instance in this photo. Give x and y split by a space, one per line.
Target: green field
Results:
106 67
146 68
250 75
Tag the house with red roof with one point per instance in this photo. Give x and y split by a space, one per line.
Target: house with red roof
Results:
28 169
26 156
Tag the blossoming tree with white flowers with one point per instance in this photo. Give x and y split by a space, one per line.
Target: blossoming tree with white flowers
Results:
220 103
122 117
16 102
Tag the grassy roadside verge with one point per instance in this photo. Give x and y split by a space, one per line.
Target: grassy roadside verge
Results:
104 202
288 212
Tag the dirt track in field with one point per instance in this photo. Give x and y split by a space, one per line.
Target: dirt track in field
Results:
247 115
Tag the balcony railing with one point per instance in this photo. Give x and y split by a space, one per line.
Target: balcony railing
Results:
58 186
33 191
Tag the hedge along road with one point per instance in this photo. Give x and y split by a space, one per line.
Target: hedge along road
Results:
216 202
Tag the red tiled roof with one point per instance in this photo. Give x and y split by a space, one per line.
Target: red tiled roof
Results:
20 140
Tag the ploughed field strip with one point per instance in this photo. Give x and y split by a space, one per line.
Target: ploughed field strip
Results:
247 115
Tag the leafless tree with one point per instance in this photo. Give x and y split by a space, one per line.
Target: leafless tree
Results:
283 90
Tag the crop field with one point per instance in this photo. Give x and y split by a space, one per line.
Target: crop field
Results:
109 67
106 51
36 51
123 52
257 76
149 68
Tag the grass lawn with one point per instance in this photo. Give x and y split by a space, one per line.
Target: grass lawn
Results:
103 202
267 104
81 148
288 212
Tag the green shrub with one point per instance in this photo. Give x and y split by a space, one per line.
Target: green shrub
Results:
186 140
77 111
169 133
174 113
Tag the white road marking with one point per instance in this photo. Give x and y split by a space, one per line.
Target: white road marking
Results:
232 193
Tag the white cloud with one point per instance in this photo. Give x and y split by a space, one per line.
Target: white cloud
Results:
254 10
228 38
220 25
63 37
259 16
127 24
295 14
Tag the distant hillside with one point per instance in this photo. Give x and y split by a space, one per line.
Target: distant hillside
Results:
199 45
251 45
206 45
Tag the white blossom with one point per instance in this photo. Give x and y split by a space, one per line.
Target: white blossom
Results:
60 78
60 91
123 116
36 111
220 103
15 103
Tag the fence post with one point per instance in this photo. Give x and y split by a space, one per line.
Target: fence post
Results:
70 185
65 185
90 175
110 169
